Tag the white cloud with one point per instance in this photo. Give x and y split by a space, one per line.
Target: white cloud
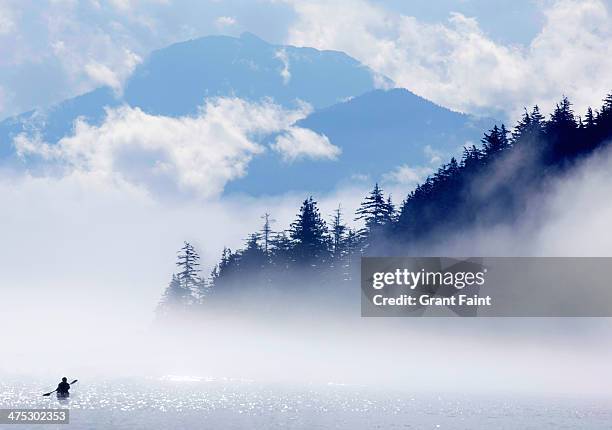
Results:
104 63
225 21
102 74
407 176
285 73
297 143
7 20
192 154
434 156
410 176
456 64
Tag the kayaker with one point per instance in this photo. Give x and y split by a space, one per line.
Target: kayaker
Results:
63 387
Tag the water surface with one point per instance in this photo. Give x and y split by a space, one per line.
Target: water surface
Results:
193 403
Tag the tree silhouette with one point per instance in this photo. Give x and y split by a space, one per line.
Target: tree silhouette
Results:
338 233
309 235
561 134
188 262
281 251
495 142
266 233
253 257
376 212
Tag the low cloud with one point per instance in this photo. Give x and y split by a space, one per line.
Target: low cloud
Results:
298 143
110 66
102 74
197 155
285 73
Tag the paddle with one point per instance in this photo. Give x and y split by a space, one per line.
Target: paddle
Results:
48 394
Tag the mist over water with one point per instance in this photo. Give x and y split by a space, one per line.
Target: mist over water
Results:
302 345
86 310
319 370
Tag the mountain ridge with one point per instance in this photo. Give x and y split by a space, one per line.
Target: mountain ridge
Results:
376 130
188 72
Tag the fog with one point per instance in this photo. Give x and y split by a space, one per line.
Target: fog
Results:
520 356
570 217
84 263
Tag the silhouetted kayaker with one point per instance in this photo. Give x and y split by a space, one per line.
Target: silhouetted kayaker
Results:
63 387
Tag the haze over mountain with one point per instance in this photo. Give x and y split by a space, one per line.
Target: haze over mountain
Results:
375 132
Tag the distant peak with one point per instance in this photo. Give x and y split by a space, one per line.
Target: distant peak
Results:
252 38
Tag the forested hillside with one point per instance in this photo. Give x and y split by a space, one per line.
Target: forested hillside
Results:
488 186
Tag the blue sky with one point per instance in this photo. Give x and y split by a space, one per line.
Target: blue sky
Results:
485 53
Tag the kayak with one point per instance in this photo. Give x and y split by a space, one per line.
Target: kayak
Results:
63 395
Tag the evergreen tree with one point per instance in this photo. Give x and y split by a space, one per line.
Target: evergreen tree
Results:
537 119
604 120
352 252
522 128
253 258
227 258
562 116
589 119
375 211
174 299
561 133
202 289
309 235
528 132
471 158
281 250
266 233
188 263
338 232
495 142
390 209
606 110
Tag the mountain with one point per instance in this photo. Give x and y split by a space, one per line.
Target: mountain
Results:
377 132
175 81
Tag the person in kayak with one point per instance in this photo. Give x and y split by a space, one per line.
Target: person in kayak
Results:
63 388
